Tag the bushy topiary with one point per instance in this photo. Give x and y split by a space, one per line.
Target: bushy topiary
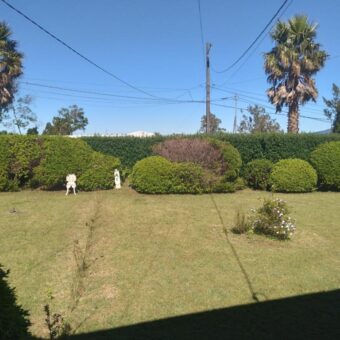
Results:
157 175
231 159
213 155
14 320
326 160
293 175
187 178
26 153
61 156
152 175
100 174
257 173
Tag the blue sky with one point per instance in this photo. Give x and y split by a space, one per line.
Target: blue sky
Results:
156 45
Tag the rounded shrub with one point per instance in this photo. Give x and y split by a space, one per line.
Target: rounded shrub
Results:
187 178
61 156
293 175
157 175
213 155
257 173
231 159
100 174
326 160
152 175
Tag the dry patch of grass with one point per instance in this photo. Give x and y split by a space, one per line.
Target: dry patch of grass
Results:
149 257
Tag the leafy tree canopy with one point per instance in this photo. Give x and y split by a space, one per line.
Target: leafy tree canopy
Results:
333 109
68 121
214 124
258 121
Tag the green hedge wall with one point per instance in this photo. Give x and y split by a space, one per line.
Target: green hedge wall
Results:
251 146
128 149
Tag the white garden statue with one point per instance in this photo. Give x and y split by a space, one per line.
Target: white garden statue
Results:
71 183
117 179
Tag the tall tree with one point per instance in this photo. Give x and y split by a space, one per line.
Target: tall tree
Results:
290 66
19 114
68 121
333 109
10 68
258 121
214 124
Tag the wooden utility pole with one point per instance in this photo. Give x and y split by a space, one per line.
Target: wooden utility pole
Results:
207 88
235 117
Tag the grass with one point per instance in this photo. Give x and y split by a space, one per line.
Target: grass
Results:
146 257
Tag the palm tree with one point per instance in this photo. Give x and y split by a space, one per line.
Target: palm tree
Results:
290 66
10 67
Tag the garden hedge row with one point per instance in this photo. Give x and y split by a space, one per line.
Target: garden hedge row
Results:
271 146
44 162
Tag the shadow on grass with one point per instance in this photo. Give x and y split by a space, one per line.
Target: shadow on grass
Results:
312 316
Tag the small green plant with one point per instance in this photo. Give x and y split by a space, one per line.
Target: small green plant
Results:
57 327
241 224
272 219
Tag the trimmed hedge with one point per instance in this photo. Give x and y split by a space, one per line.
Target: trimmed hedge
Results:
61 156
271 146
44 161
128 149
100 175
293 175
326 160
257 173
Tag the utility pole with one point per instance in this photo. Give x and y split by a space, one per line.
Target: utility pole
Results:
207 88
235 117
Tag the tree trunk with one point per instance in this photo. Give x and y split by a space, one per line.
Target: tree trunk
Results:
293 118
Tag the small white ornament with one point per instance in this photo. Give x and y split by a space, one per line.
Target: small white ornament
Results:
71 183
117 179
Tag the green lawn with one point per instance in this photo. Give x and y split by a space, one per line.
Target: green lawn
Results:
151 257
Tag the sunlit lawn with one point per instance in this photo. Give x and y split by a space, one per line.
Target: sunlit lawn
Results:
151 257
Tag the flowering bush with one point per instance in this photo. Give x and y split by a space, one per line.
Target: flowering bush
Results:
272 219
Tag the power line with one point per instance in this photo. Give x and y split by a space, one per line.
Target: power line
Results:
111 94
76 52
256 39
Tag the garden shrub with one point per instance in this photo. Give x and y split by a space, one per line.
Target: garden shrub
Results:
61 156
26 153
272 219
157 175
187 178
216 156
293 175
231 159
257 173
14 320
100 174
194 150
152 175
4 163
326 160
